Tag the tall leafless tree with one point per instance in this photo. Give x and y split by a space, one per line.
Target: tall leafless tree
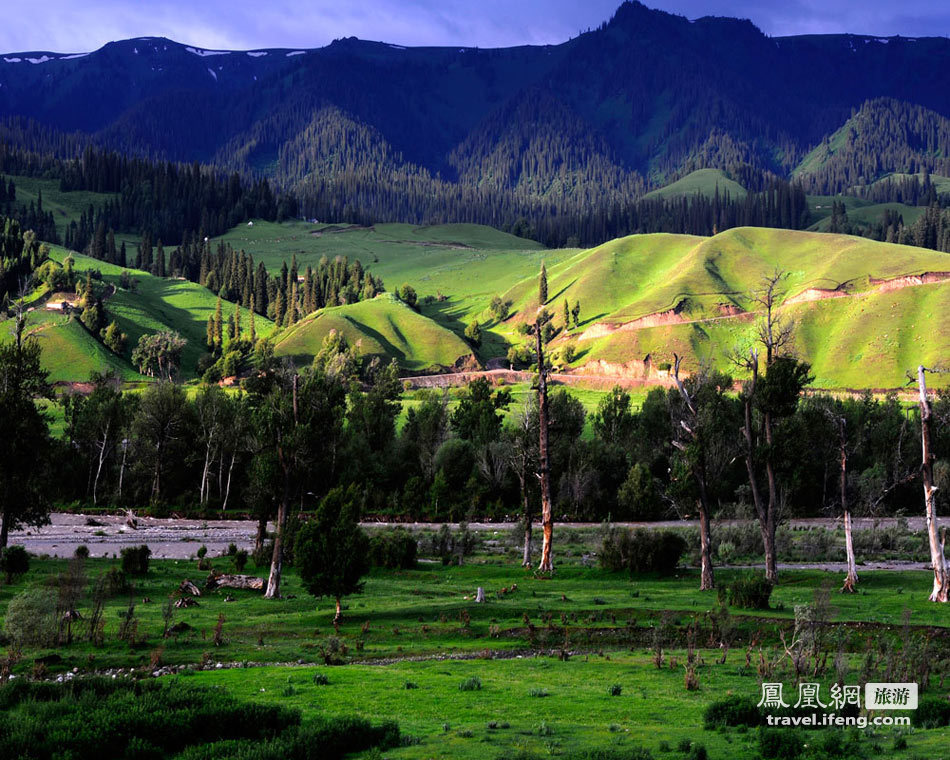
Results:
936 537
544 467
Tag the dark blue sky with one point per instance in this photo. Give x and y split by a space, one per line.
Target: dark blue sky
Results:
82 25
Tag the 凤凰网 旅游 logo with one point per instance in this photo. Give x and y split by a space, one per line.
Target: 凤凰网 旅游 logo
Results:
825 705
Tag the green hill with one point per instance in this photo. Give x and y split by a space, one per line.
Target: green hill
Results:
703 182
66 207
155 304
656 294
383 327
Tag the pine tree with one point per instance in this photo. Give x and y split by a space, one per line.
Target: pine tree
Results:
209 334
218 326
237 321
251 315
543 286
576 313
567 315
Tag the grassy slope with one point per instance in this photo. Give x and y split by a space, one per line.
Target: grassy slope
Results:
157 304
384 327
469 263
702 181
853 342
66 207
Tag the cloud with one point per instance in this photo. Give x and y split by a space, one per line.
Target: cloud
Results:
70 26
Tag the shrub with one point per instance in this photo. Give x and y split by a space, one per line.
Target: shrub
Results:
780 744
539 693
31 619
615 690
135 559
471 684
932 712
749 590
155 719
116 581
641 551
321 679
14 562
732 711
82 552
394 548
240 560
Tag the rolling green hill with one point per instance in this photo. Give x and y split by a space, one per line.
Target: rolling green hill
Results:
466 263
71 353
651 295
384 327
702 181
66 207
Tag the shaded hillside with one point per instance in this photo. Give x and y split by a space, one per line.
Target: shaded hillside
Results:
383 327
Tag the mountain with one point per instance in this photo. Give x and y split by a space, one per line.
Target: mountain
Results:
370 128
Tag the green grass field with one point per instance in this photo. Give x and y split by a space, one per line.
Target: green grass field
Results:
383 327
702 182
867 340
414 625
66 207
71 353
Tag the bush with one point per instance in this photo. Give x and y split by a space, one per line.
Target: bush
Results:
14 562
780 744
135 560
749 591
641 551
932 712
471 684
116 581
240 560
31 620
732 711
615 690
82 552
393 549
155 719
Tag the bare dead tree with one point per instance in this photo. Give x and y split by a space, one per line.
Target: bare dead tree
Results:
689 427
936 537
775 334
544 468
522 456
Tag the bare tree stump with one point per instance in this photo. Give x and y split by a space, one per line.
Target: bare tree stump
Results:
187 586
186 601
480 595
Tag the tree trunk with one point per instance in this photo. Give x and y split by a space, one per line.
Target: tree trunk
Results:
547 519
941 589
245 582
277 558
4 528
526 518
768 537
102 456
125 450
851 581
202 493
771 571
338 616
227 488
706 580
261 533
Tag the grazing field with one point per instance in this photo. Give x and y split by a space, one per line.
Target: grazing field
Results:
66 207
693 296
156 304
383 327
561 664
702 182
467 263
